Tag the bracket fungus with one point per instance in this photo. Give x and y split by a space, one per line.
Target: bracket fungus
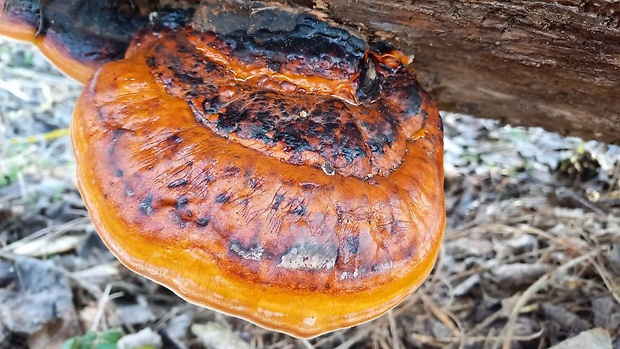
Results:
283 170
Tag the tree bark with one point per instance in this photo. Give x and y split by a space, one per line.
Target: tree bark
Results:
554 64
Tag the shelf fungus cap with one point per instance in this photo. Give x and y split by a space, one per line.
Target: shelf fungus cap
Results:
292 178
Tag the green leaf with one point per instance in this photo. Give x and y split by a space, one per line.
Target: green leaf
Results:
95 340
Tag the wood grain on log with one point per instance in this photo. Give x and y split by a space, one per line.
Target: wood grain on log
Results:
554 64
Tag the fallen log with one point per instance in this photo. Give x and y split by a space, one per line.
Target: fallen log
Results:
554 64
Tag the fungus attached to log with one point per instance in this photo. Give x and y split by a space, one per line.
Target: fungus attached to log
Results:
279 169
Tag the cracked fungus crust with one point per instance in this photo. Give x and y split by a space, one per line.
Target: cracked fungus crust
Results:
291 178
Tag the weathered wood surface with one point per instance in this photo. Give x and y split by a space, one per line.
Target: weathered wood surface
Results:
554 64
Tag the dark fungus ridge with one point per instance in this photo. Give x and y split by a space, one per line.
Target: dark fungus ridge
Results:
25 12
92 32
360 139
314 45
